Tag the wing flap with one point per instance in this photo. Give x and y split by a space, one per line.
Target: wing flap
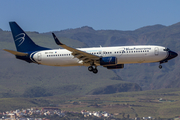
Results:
81 55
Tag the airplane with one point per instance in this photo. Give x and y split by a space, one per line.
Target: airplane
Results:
108 57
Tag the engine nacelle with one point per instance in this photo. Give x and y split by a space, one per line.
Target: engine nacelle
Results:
106 61
119 66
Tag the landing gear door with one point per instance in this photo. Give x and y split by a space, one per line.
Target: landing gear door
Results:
156 51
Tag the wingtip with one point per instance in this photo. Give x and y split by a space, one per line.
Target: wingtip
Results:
5 49
56 40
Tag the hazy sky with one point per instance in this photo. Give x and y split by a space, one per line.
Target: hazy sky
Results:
55 15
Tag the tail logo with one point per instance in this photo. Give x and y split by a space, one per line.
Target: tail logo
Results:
20 38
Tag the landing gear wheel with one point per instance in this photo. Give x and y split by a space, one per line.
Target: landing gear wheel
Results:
160 66
95 71
90 68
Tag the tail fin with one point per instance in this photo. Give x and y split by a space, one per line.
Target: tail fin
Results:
22 41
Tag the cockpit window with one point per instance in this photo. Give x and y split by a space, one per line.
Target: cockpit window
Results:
166 49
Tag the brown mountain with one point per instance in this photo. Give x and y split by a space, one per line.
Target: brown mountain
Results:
17 76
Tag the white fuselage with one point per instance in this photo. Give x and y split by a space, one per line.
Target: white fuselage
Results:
124 55
109 57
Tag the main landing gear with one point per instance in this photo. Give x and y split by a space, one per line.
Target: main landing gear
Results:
93 69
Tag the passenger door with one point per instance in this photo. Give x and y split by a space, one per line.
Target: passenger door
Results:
39 56
156 51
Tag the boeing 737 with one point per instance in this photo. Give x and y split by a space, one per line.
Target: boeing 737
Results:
108 57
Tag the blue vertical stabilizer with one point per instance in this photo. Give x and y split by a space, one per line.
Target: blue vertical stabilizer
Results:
22 41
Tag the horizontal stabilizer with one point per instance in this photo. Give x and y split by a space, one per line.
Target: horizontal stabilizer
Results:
16 53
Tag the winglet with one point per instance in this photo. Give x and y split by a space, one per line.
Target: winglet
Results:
56 40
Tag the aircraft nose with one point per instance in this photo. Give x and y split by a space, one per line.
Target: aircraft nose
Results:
172 55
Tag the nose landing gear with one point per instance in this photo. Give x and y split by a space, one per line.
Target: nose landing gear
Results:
160 66
161 62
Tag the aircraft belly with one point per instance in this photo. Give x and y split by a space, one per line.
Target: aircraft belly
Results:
141 58
60 62
130 59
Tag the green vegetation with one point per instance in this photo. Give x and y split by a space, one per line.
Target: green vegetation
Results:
24 85
141 104
148 76
122 87
36 92
127 104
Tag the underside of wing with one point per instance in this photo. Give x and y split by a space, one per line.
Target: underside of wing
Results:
81 55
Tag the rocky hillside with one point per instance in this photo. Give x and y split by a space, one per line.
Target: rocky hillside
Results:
18 76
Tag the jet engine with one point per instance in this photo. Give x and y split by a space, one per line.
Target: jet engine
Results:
106 61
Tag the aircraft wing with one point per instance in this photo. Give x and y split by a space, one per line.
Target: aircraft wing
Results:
81 55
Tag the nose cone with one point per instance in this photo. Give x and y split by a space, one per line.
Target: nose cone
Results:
172 55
